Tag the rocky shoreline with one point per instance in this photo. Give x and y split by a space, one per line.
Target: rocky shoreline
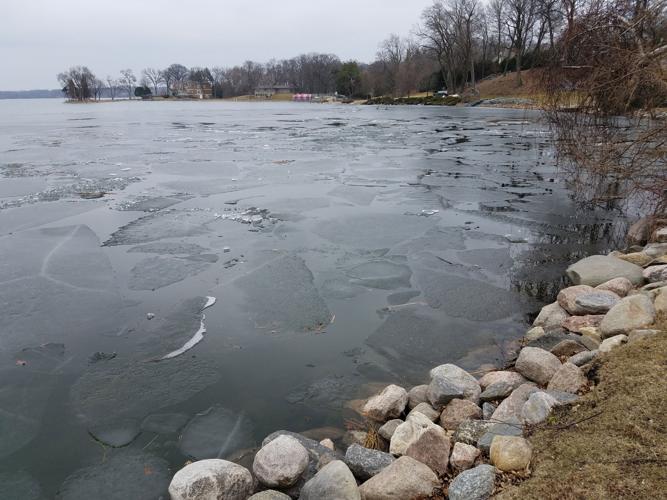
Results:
457 435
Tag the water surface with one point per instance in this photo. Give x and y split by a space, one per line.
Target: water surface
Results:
345 246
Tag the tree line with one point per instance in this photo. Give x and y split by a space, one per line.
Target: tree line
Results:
456 43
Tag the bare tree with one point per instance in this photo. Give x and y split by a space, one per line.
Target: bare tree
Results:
152 77
174 77
520 18
127 81
610 76
78 83
112 85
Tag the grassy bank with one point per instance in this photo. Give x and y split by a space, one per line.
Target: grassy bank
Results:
613 443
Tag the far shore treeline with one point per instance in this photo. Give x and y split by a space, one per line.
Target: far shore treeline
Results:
456 43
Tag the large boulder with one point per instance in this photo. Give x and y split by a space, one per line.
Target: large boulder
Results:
567 296
639 232
473 484
510 409
631 313
447 380
568 348
457 411
537 408
365 463
390 403
537 364
432 449
638 258
620 286
568 378
463 456
405 479
551 316
470 431
512 428
280 463
511 453
211 479
660 303
334 481
409 432
598 269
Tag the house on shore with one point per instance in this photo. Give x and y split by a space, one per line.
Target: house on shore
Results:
196 90
268 91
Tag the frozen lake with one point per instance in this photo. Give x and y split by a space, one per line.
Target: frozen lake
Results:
345 246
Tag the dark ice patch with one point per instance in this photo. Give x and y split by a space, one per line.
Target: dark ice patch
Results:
126 474
118 434
169 248
382 274
215 433
494 259
164 423
400 298
109 393
161 225
281 296
157 272
372 231
467 298
330 392
19 486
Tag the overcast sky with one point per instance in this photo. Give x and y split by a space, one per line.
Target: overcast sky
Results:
40 38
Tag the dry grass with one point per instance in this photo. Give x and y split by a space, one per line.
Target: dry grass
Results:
621 452
505 85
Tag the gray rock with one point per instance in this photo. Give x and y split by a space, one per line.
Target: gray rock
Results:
390 403
655 250
512 378
537 408
211 479
511 428
597 302
639 232
473 484
365 463
631 313
270 495
598 269
499 390
387 430
563 398
280 463
656 274
417 395
534 333
537 364
583 357
568 378
550 339
442 390
405 479
612 343
551 316
568 348
510 409
567 297
487 411
469 431
333 481
460 378
428 410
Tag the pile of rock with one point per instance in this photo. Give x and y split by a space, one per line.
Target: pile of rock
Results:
457 425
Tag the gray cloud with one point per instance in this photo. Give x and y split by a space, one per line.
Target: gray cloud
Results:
40 38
